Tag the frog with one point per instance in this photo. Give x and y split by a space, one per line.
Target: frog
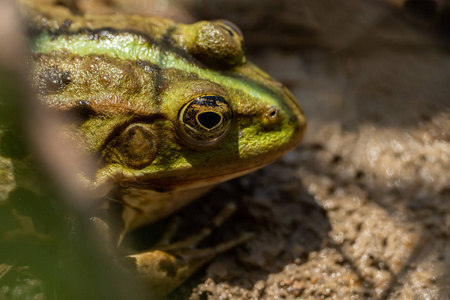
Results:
167 110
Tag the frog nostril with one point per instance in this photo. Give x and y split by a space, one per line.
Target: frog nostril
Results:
272 115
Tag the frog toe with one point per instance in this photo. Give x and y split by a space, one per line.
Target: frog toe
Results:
167 265
163 271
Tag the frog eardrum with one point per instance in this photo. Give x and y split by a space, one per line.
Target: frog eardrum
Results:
136 146
205 120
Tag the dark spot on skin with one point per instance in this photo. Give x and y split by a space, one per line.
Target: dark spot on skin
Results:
166 40
168 266
97 34
12 145
66 24
147 66
64 27
84 109
53 80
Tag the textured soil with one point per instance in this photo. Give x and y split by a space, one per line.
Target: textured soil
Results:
361 209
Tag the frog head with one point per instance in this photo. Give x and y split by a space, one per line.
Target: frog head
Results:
226 120
170 107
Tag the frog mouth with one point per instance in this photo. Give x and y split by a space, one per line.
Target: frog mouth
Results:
177 184
192 180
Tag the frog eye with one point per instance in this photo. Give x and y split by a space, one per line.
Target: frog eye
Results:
232 29
205 120
217 44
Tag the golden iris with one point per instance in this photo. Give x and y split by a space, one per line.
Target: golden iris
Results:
205 120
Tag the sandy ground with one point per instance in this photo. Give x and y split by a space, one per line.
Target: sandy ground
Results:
361 209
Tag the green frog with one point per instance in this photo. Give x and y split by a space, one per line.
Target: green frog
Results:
167 110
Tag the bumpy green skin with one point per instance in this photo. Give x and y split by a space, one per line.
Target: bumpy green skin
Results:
143 71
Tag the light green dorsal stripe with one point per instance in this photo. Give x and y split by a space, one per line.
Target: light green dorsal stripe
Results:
134 47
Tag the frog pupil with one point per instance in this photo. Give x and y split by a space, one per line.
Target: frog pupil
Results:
205 120
209 119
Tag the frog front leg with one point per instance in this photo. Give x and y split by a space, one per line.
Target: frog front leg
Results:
164 270
167 265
